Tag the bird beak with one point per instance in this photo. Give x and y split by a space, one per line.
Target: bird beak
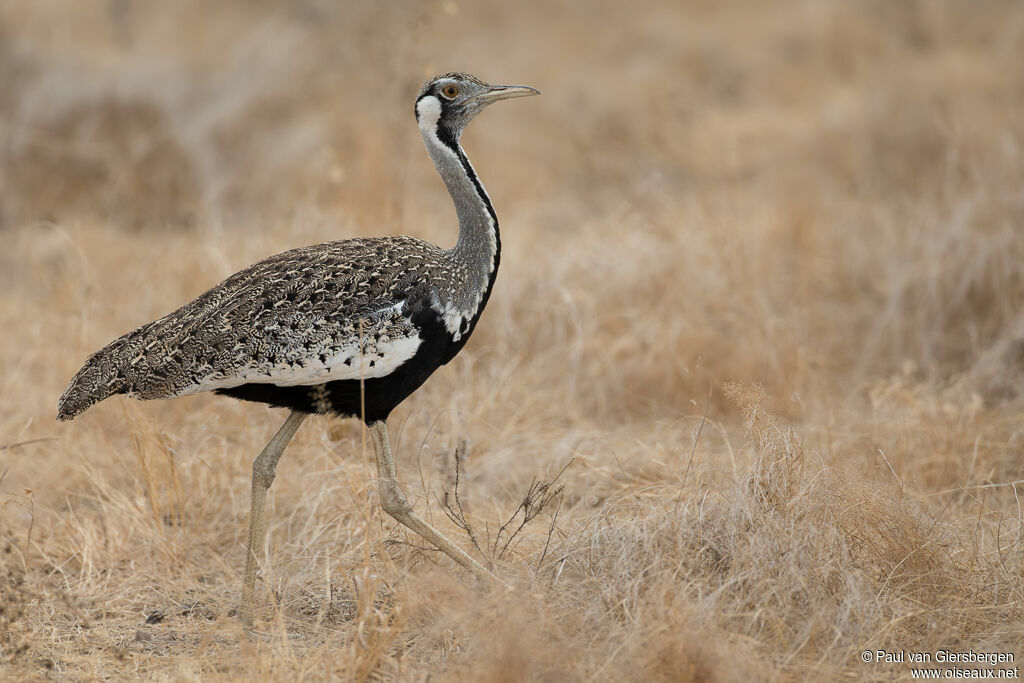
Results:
504 92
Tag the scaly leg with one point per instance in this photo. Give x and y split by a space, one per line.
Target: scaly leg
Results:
394 502
264 469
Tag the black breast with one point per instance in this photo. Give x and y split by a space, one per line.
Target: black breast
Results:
374 398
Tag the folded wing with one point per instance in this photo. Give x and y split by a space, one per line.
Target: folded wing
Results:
332 311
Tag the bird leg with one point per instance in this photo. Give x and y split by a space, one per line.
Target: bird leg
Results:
264 469
394 502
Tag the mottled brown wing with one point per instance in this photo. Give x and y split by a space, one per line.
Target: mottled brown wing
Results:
285 319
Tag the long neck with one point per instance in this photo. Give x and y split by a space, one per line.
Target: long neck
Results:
478 249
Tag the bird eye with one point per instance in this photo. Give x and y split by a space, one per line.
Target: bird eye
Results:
450 91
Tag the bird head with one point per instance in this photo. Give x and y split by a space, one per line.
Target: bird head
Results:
447 103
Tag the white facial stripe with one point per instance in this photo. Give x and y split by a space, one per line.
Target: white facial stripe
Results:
429 111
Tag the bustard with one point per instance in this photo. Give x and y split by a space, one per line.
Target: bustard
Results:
349 328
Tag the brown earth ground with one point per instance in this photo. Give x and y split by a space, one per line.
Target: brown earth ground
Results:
761 297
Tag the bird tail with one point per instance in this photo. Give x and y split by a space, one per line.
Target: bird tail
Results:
90 385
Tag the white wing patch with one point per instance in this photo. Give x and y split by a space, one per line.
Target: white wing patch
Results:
376 356
451 315
380 360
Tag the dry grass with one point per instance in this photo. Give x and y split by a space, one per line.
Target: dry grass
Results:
763 286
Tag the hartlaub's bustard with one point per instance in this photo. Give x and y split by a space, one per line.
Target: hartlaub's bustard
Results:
349 328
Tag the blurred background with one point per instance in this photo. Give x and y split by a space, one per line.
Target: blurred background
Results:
845 173
823 198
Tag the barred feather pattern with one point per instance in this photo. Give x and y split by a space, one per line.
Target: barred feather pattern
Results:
331 311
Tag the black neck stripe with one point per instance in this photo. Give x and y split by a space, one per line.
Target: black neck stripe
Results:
448 140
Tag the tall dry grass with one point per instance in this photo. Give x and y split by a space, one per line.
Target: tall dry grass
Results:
762 286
